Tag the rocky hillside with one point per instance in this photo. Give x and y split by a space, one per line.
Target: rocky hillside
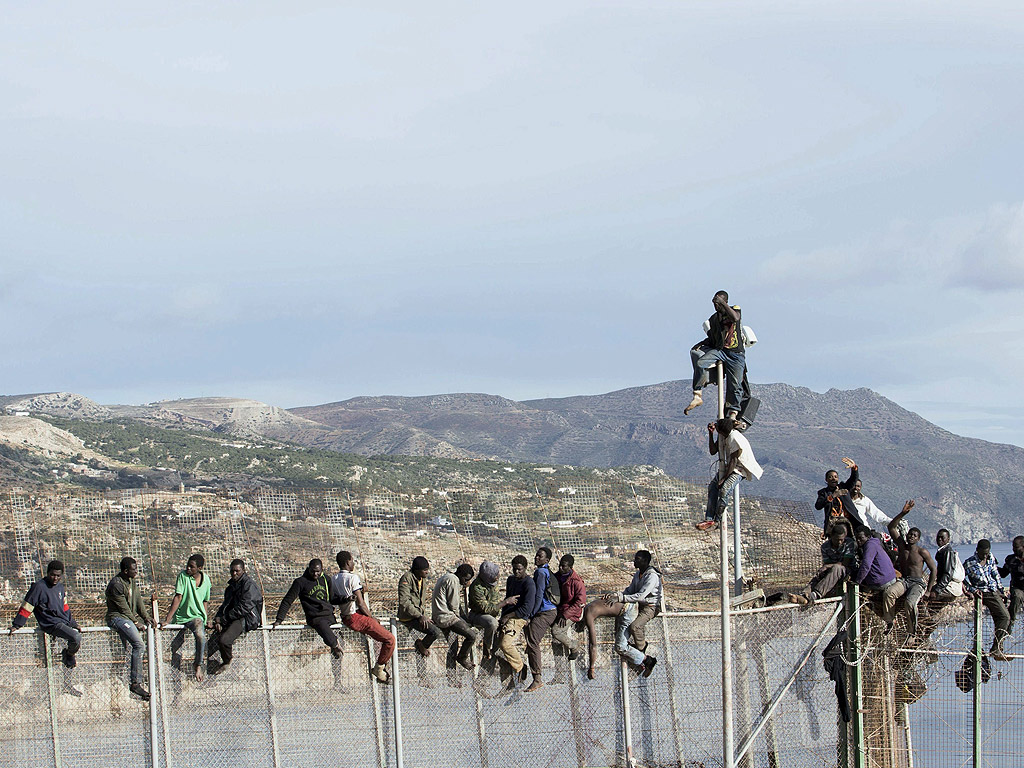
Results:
970 486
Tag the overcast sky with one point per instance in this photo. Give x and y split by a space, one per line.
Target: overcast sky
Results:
305 204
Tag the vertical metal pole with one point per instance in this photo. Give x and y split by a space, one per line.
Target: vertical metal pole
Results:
159 653
860 753
577 718
375 698
481 729
154 728
396 699
728 760
670 679
737 547
761 662
271 708
907 735
627 725
51 685
976 698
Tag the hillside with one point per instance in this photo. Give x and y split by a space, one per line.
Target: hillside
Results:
967 485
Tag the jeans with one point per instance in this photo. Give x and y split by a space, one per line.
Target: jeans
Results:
69 633
915 591
718 499
735 363
130 635
622 624
198 628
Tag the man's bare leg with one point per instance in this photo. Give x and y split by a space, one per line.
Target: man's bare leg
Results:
596 610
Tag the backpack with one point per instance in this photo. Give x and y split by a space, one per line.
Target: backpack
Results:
964 676
959 574
553 591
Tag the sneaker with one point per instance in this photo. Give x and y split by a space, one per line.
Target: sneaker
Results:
70 690
535 685
380 673
706 525
68 659
337 652
798 599
998 655
524 673
139 691
423 650
649 662
466 662
697 401
573 655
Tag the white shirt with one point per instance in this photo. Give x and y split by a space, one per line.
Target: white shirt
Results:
346 583
746 463
873 517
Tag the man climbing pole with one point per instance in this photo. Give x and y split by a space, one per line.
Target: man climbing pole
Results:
724 343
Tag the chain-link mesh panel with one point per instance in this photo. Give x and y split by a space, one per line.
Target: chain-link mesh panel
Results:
25 694
106 724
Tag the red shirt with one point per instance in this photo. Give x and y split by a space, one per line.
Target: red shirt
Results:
574 596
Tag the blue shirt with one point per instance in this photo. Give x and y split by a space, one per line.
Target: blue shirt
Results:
983 576
541 578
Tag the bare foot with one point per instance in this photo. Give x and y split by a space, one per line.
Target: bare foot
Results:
199 674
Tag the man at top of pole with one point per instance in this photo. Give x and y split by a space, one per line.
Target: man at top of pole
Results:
724 343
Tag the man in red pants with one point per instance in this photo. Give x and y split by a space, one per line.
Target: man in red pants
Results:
355 613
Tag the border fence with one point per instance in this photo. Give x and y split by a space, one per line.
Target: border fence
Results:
285 702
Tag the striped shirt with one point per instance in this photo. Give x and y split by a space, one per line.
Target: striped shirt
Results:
983 575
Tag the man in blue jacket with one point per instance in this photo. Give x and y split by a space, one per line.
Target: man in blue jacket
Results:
545 611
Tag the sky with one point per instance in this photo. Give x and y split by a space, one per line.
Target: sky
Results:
308 203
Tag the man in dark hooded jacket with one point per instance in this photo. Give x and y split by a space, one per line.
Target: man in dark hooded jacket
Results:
314 591
241 611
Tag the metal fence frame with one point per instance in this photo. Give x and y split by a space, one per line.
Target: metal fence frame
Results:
612 721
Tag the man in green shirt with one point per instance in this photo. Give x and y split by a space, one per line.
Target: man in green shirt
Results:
128 615
188 608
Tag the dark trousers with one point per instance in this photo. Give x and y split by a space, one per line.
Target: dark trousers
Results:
1000 617
227 638
69 633
460 628
1016 603
432 635
322 626
535 630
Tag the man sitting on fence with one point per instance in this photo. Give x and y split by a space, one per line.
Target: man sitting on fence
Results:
355 613
128 615
1013 566
876 574
449 610
315 594
545 611
47 599
188 608
641 599
910 562
241 611
414 606
486 604
983 582
838 561
520 595
572 601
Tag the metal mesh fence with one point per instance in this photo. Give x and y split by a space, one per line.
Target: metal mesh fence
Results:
277 532
285 701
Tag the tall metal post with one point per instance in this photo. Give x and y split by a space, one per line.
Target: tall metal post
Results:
737 547
670 679
375 699
728 760
271 708
396 700
627 725
860 752
51 687
976 698
154 728
157 644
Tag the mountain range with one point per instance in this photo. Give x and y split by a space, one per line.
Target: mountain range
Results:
970 486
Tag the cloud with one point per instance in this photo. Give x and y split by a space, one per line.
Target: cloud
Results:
982 251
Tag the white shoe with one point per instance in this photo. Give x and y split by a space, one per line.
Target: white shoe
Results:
697 400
